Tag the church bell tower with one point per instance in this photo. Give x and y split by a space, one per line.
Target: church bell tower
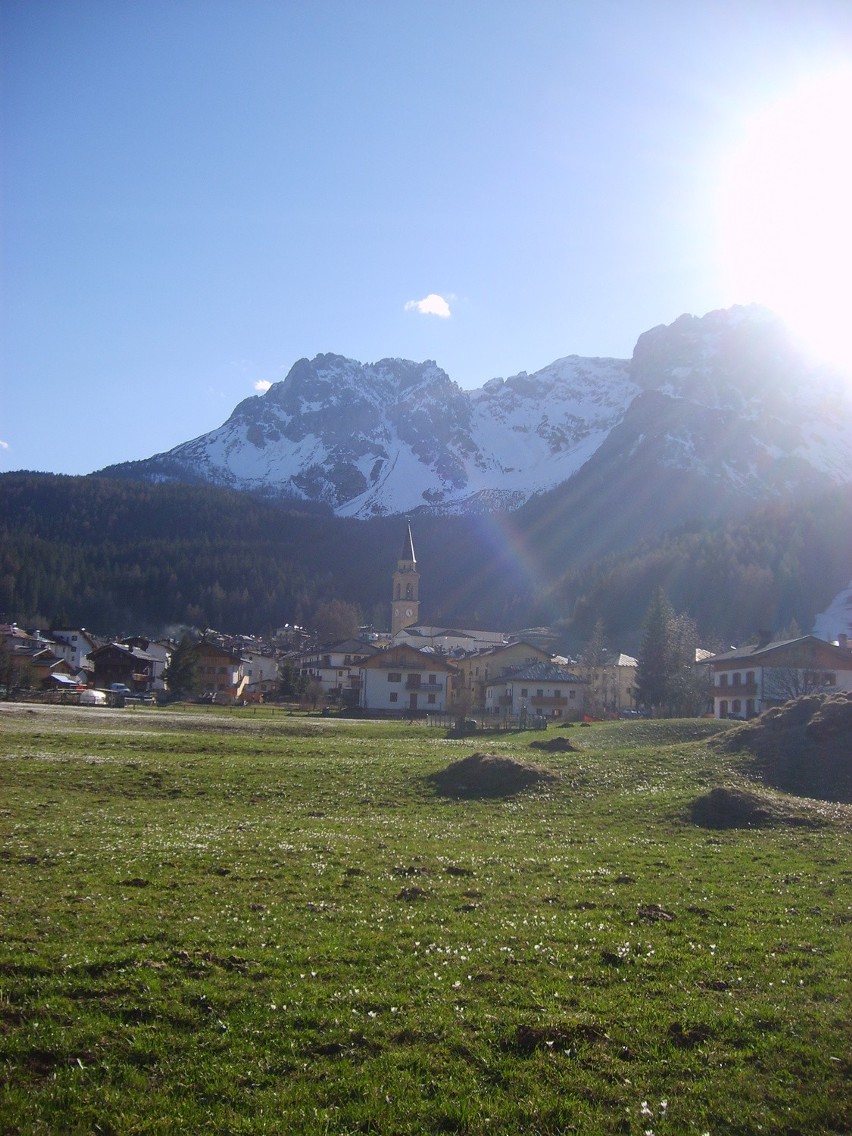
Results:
405 603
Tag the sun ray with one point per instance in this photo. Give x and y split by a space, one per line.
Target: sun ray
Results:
785 219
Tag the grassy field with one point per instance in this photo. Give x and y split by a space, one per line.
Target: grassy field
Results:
246 922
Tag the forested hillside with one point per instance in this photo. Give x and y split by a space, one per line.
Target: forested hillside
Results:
120 556
780 565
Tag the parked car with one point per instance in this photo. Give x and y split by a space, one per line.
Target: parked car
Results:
120 693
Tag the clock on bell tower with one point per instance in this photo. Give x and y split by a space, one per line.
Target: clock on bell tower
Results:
405 602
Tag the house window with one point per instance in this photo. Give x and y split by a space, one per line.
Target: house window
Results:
723 708
524 692
433 698
736 706
394 697
723 680
737 679
750 677
394 676
539 693
570 693
814 678
433 680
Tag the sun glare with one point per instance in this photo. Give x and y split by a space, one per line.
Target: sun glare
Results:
786 215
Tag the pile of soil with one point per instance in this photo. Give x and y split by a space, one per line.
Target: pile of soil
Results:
555 745
734 808
803 747
487 775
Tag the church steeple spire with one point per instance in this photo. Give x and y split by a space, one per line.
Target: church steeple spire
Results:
405 602
407 554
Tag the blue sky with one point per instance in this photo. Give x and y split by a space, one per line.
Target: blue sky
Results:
196 193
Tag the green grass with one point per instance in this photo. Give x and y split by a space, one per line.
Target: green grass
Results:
243 922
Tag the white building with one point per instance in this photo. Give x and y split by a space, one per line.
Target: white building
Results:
536 689
405 681
72 644
337 669
748 680
261 672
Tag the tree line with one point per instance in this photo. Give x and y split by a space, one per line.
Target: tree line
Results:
123 557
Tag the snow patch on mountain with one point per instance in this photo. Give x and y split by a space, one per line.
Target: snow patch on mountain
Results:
725 396
837 618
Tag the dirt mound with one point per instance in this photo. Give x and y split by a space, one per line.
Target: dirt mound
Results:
734 808
487 775
555 745
803 747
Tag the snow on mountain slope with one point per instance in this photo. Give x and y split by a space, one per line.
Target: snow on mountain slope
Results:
725 396
837 618
370 439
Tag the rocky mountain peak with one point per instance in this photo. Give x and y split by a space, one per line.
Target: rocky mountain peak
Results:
724 396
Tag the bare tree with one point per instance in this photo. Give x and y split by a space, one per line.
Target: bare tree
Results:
335 620
782 684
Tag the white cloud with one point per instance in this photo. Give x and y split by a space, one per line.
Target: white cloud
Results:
4 445
262 385
431 305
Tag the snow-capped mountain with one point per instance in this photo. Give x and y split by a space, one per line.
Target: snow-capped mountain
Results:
725 396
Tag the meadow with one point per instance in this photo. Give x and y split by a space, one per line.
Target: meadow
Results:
246 921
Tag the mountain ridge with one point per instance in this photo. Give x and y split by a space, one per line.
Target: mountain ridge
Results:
741 407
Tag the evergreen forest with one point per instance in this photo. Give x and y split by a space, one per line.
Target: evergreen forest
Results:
122 557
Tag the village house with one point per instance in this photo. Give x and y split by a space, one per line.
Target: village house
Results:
338 669
748 680
116 662
481 667
261 673
160 652
74 644
220 672
17 639
612 685
540 689
407 682
39 668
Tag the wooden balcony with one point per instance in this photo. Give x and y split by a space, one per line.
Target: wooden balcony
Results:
548 700
736 690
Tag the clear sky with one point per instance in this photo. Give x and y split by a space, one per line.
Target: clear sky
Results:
196 193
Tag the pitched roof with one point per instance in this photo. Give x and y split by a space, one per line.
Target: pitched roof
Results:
538 672
405 656
351 647
760 651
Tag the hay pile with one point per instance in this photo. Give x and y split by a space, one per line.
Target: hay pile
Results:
487 775
734 808
555 745
803 747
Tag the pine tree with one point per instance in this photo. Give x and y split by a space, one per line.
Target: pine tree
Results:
181 674
594 652
654 669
